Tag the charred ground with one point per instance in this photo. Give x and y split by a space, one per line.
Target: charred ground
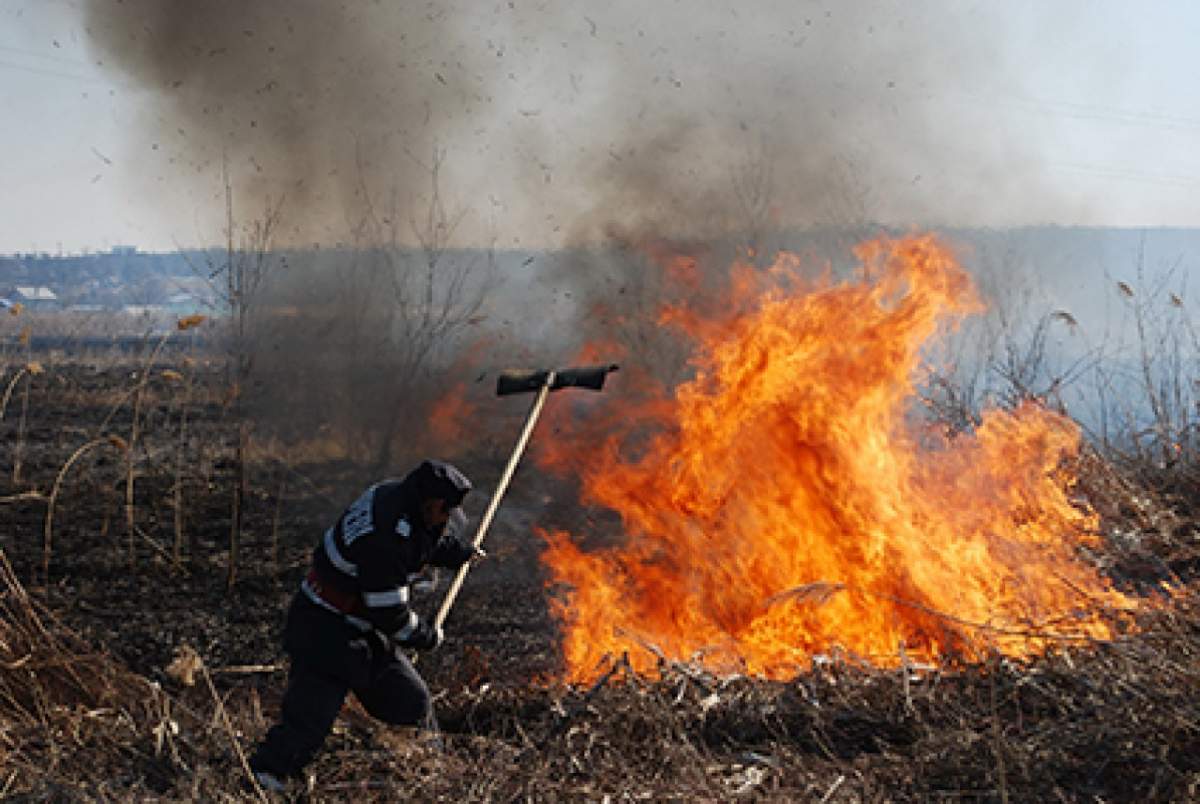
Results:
95 706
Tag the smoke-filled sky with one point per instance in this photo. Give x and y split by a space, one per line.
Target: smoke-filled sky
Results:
561 120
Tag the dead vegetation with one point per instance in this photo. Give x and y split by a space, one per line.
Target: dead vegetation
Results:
1118 722
148 682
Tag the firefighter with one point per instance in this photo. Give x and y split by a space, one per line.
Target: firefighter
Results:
350 620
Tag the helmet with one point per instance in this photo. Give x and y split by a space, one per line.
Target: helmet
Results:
440 480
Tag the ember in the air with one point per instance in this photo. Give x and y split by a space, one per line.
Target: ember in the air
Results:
792 502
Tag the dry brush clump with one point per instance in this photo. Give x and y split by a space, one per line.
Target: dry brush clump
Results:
1115 721
1087 720
1118 720
73 723
1151 535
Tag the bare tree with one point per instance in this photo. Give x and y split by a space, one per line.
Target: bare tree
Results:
238 278
753 181
435 292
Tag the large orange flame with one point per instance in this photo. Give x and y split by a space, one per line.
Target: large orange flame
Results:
792 504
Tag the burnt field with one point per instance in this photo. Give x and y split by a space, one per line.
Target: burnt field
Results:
136 668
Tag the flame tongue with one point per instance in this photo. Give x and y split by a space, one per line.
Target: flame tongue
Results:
790 506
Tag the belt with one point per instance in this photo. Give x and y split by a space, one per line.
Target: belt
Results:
329 596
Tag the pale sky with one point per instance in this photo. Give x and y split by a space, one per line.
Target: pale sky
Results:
953 113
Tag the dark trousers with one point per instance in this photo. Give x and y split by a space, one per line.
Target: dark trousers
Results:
330 659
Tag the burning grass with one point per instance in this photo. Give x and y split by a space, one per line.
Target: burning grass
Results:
793 460
934 705
1117 719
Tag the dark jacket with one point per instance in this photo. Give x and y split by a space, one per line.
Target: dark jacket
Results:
363 565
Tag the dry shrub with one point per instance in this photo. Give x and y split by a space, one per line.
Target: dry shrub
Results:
76 725
1151 536
1116 720
72 719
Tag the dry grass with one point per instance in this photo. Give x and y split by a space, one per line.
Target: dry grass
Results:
73 722
48 530
1117 721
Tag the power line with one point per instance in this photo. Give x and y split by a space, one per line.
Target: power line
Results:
29 68
1070 109
1125 174
48 56
1112 114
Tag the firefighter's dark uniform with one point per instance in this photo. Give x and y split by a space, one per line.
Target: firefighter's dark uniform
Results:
347 622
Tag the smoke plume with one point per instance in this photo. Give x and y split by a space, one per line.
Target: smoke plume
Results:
563 120
629 133
303 99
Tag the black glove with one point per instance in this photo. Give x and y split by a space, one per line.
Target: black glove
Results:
426 636
453 553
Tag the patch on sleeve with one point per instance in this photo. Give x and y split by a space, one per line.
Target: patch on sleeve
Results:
403 529
358 519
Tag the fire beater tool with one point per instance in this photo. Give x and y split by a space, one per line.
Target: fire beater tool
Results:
521 382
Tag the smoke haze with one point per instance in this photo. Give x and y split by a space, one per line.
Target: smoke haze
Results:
629 134
561 120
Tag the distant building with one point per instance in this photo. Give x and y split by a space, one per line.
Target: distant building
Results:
123 251
145 310
184 304
34 297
